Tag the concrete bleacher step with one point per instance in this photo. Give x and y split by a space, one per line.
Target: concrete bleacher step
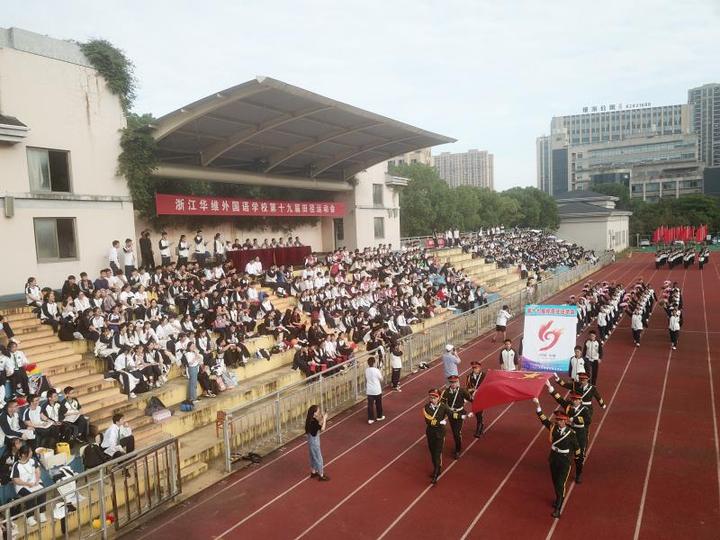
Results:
49 346
192 471
17 313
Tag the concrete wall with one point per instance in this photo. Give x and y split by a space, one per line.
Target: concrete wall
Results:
597 233
365 211
66 106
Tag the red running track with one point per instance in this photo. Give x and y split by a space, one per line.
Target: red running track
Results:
653 468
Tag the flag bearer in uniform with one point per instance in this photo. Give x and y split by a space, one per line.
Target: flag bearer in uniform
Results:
454 398
435 414
472 383
563 449
578 418
587 392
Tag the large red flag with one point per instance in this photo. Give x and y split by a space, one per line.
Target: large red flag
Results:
501 387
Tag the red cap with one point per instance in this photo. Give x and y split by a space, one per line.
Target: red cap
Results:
453 378
583 375
560 415
433 393
475 363
575 395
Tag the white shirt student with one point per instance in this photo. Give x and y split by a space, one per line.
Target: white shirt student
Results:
112 436
503 317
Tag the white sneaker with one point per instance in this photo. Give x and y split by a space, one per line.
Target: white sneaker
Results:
674 348
381 418
43 517
133 395
371 421
31 522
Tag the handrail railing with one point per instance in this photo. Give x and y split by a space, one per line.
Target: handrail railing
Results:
127 488
270 420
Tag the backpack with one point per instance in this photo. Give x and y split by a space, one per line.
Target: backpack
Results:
154 405
93 455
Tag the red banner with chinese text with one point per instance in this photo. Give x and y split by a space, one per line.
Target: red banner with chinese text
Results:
194 205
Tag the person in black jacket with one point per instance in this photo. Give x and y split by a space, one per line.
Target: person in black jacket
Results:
70 288
147 257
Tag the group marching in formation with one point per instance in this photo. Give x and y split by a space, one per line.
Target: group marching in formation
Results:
682 256
602 304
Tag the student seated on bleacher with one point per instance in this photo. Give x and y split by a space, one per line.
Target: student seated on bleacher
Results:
26 477
46 431
71 416
118 438
10 426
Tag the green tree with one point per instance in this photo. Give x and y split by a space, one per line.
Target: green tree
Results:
616 190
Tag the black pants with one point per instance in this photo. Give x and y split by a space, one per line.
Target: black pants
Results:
456 425
581 434
559 472
594 369
636 335
674 335
396 377
19 377
377 402
603 332
31 504
436 440
114 268
80 427
480 426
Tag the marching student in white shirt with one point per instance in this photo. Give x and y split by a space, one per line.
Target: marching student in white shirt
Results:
636 324
674 327
593 353
508 357
373 390
576 365
503 316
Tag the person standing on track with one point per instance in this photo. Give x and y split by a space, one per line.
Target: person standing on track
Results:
451 361
578 418
563 448
593 353
472 383
636 324
577 364
674 327
503 316
435 414
508 357
373 390
454 398
315 423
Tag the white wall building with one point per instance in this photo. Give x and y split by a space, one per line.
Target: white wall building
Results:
591 220
61 198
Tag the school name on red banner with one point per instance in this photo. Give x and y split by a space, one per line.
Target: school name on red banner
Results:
191 205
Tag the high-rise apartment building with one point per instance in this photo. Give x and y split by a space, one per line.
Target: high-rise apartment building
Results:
471 168
704 103
543 151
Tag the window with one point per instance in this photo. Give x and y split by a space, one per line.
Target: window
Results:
55 239
379 224
48 170
377 194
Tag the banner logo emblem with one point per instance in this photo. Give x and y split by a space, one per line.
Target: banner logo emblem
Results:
545 334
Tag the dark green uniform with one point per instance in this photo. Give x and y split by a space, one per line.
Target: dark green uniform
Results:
455 399
472 383
435 433
579 422
588 392
563 448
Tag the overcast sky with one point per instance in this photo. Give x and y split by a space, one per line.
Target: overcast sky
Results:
488 73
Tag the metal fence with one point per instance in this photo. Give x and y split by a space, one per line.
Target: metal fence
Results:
125 489
269 421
